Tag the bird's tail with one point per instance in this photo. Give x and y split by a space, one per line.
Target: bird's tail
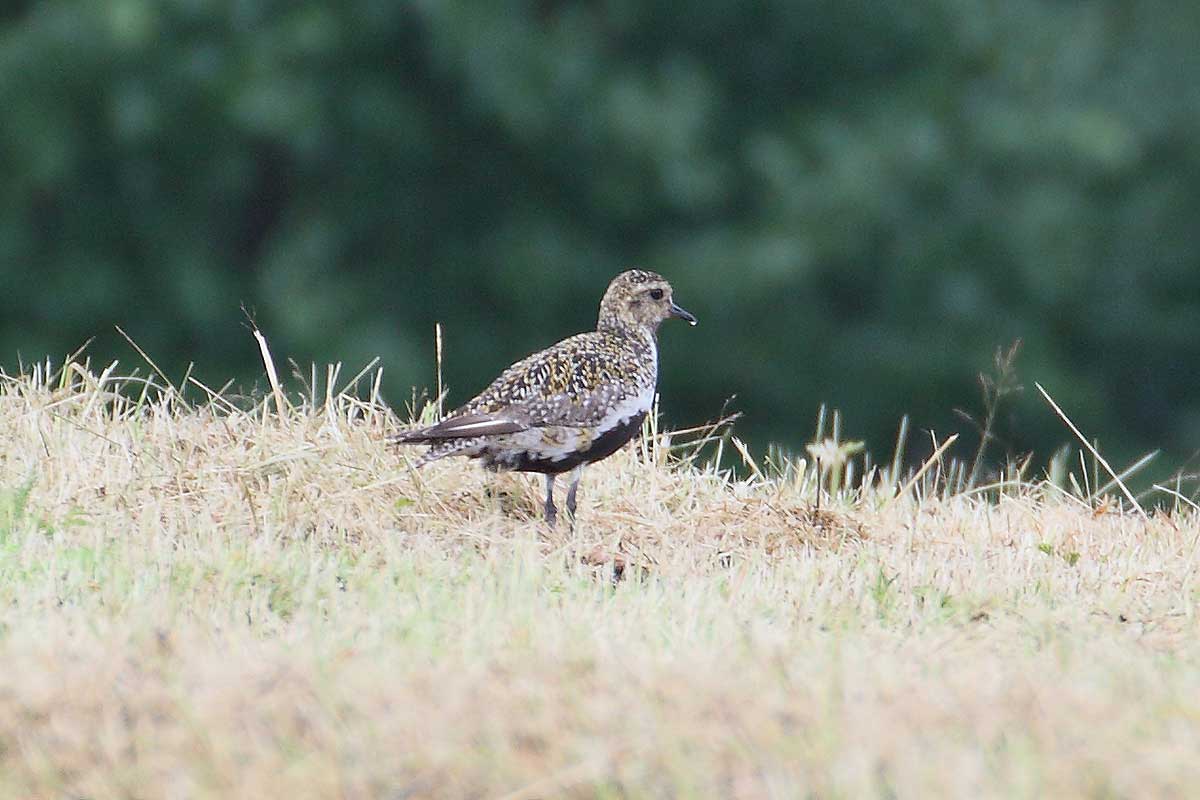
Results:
416 437
463 434
440 444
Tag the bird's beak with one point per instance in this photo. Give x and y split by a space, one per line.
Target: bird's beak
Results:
679 313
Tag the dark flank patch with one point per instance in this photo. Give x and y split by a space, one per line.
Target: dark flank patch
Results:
605 445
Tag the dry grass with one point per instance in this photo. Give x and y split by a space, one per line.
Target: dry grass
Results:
201 601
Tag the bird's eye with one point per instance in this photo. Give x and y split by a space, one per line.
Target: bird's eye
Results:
656 294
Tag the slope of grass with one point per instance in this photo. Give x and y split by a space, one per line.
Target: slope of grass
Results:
202 601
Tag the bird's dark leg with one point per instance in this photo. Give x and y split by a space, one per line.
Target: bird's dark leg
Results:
575 475
551 511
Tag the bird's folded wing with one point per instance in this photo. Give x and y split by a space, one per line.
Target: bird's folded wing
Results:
569 409
561 386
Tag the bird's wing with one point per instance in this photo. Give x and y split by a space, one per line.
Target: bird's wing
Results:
576 383
570 409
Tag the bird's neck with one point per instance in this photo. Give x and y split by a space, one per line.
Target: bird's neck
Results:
614 324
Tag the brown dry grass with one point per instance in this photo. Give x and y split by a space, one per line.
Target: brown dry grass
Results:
200 601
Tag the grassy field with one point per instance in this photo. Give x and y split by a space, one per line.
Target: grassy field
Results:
203 600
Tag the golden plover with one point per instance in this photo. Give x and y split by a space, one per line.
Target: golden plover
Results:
571 404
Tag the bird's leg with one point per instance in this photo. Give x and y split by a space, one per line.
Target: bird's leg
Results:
575 475
551 511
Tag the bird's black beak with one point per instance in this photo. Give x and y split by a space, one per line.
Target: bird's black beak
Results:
679 313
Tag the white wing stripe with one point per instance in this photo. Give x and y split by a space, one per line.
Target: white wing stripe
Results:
480 427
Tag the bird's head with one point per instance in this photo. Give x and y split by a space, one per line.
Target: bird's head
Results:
639 299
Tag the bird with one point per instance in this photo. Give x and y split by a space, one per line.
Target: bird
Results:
572 404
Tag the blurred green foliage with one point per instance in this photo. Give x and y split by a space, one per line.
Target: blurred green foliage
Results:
861 201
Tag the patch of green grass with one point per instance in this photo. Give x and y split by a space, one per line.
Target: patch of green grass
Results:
13 508
1069 556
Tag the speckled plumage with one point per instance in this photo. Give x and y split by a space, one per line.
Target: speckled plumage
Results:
570 404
